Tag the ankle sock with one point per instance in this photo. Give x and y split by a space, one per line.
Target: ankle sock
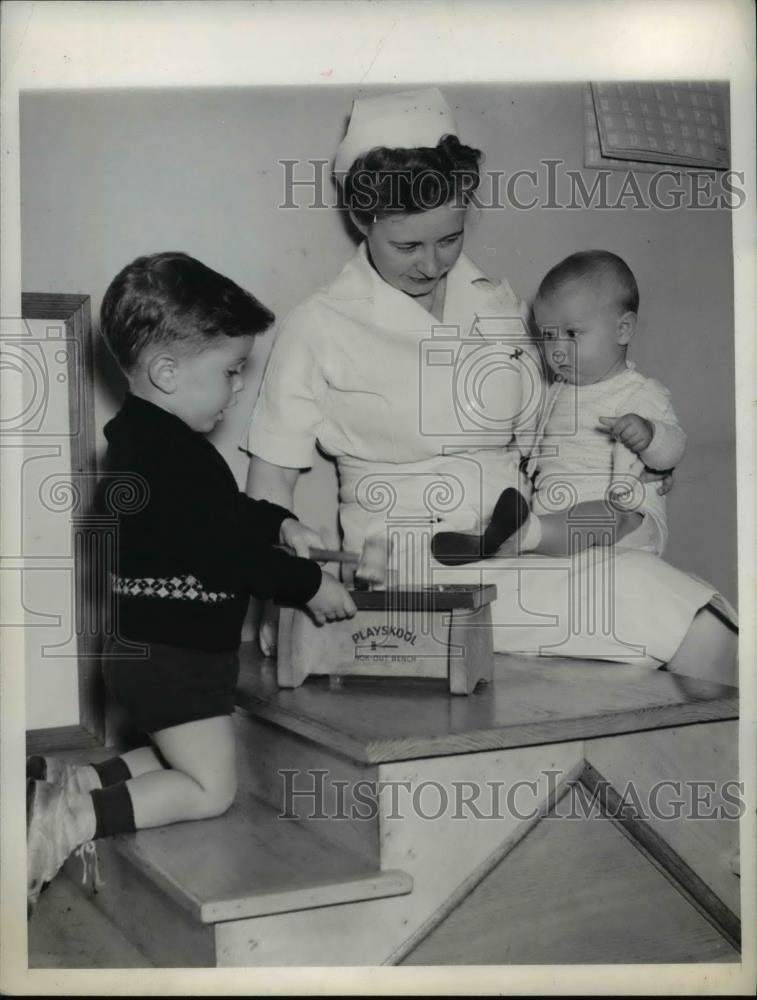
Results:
510 512
455 548
82 778
112 772
114 812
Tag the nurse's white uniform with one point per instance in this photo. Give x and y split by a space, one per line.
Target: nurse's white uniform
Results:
427 421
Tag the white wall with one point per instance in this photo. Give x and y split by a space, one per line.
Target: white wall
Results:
140 171
47 585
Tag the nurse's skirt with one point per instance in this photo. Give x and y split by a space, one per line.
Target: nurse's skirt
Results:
602 603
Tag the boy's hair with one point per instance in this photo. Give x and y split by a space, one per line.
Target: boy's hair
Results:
605 270
171 298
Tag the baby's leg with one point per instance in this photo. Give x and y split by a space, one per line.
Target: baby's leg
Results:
591 523
709 650
455 548
513 531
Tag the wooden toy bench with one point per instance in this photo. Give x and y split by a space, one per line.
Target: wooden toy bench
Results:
442 631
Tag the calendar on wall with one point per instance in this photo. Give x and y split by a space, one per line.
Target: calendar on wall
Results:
644 125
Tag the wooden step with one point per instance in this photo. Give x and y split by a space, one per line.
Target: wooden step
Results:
166 888
249 862
309 780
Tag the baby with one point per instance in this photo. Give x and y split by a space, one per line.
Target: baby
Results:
601 423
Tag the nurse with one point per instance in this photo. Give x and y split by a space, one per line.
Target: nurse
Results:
415 371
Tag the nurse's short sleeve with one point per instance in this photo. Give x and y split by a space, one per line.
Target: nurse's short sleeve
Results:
289 410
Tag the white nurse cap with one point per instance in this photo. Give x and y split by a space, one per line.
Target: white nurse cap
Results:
399 121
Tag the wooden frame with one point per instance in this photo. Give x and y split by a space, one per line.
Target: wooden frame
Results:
74 312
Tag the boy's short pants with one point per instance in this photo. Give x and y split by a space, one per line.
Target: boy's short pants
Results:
170 685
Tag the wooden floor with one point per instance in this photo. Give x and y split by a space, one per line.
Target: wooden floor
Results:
68 932
605 903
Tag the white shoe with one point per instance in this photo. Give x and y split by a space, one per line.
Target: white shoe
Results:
75 777
52 833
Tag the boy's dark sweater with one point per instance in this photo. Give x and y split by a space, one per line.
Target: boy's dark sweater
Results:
195 523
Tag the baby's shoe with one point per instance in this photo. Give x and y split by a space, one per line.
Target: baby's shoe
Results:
53 831
77 777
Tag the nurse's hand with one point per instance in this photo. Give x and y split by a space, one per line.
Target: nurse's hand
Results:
332 601
299 537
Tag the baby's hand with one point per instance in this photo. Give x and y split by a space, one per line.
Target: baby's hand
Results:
299 537
664 480
633 431
331 602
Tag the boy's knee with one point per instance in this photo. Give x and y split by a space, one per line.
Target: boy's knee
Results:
219 799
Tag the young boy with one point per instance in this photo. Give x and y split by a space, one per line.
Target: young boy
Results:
192 549
602 422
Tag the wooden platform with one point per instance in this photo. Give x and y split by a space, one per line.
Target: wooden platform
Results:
339 885
531 701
